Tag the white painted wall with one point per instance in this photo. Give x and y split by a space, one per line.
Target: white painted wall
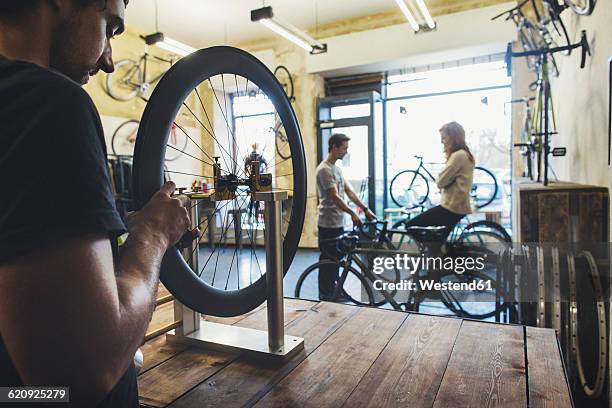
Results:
457 36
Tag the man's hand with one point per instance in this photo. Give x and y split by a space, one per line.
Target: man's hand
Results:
356 220
163 217
369 214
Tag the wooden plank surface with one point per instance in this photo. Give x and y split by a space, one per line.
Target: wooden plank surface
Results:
364 357
486 368
333 370
166 382
409 371
547 384
244 381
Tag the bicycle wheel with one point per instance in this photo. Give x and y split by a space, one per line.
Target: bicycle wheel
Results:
355 287
581 7
281 143
177 143
409 189
124 83
230 278
477 303
284 77
484 226
484 187
124 138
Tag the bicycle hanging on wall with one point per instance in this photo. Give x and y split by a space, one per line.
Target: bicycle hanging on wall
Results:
130 78
544 122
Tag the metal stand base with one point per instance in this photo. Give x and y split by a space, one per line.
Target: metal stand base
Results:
222 337
272 344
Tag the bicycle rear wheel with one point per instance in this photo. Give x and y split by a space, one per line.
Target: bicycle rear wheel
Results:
355 287
409 189
469 233
484 187
479 303
124 83
213 87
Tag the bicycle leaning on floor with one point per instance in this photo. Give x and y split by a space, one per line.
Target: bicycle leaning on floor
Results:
358 282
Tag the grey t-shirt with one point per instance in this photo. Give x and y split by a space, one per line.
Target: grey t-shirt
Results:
328 176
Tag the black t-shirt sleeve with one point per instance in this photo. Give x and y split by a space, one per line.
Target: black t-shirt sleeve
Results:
55 174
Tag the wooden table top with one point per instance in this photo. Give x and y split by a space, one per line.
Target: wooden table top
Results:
365 357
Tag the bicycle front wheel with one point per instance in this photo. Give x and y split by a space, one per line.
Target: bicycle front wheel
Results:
409 189
124 83
355 287
210 98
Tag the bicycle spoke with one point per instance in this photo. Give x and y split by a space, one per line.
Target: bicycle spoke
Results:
211 134
225 118
224 238
197 145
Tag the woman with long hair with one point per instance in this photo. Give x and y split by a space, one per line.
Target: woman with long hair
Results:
455 181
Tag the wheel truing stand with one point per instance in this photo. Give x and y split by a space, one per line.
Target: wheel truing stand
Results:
273 344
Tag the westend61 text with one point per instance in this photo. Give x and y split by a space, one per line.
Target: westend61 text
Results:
416 263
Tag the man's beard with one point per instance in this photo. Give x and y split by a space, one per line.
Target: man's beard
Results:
64 51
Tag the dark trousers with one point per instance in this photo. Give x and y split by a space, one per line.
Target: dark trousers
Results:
328 275
436 216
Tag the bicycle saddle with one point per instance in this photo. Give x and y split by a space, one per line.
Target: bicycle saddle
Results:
347 242
429 233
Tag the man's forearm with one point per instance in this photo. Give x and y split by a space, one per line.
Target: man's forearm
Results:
354 198
342 205
137 283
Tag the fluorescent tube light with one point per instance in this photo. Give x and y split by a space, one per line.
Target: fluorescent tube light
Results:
176 47
280 30
265 16
426 15
408 14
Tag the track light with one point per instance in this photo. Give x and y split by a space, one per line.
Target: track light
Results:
265 16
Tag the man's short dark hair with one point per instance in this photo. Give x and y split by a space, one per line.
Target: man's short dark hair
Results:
12 7
336 140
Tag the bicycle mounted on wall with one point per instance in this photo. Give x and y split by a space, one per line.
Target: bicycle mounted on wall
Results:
130 77
540 44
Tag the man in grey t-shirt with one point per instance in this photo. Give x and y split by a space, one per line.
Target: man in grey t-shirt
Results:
331 189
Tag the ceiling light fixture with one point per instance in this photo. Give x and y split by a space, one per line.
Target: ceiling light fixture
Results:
408 14
265 16
168 44
426 15
429 25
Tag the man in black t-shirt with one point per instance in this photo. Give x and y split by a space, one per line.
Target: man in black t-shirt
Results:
72 312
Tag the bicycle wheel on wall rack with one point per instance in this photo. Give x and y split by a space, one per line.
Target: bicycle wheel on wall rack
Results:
214 86
581 7
484 187
284 77
409 189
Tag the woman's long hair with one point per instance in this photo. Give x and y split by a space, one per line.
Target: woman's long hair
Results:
456 135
